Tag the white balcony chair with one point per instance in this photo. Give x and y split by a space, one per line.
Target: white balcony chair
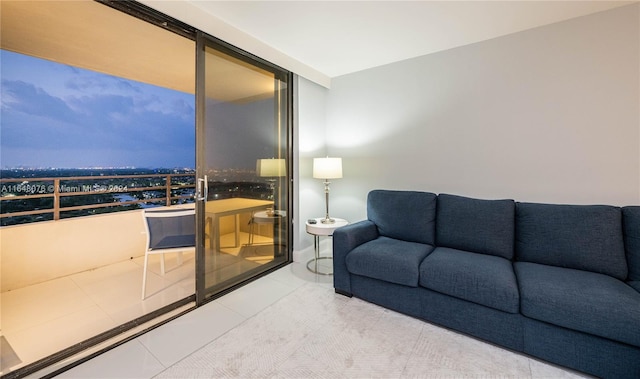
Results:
168 231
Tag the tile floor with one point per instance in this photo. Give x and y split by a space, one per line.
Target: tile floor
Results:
86 304
94 301
291 324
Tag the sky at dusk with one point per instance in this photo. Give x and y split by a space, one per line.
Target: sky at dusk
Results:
55 115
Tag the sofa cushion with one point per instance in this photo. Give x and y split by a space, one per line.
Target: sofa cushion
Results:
635 285
580 300
480 226
388 259
583 237
631 226
482 279
403 215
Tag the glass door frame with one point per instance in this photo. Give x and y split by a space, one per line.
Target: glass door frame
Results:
203 41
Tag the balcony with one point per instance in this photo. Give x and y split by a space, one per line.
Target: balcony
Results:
71 278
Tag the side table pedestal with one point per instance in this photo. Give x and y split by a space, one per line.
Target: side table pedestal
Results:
318 229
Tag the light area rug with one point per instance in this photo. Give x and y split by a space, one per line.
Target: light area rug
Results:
315 333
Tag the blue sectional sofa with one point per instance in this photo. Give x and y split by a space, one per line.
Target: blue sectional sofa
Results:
557 282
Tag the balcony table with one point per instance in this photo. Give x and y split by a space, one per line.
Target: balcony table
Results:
215 209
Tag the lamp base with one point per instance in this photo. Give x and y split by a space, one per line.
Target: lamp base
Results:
328 221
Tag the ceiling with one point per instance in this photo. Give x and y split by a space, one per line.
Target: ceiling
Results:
316 39
341 37
89 35
92 36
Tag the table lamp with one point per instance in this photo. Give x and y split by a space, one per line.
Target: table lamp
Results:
271 169
327 168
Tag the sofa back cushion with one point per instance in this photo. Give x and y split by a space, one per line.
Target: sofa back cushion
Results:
583 237
479 226
404 215
631 225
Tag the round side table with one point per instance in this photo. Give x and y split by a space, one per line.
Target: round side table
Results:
318 229
263 217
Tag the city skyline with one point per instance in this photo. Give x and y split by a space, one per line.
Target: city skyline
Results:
58 116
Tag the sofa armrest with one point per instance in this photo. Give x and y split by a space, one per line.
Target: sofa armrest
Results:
346 239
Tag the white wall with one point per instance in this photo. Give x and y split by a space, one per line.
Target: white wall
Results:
547 115
311 135
41 251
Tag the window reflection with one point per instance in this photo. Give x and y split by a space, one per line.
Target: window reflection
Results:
245 149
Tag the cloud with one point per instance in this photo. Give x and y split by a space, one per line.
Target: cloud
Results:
127 86
137 123
23 97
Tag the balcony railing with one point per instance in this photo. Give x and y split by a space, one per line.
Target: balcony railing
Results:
58 197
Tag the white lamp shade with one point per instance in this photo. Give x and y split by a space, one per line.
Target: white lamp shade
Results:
327 168
271 167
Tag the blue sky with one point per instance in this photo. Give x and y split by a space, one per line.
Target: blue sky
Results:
55 115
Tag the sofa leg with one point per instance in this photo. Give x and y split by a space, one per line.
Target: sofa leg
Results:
344 293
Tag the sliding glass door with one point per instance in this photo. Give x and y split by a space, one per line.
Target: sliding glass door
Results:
242 167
